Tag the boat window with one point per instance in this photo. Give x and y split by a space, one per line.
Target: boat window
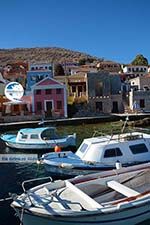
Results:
24 136
139 148
49 134
83 148
34 136
112 152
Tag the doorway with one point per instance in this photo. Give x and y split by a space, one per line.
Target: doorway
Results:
48 107
115 107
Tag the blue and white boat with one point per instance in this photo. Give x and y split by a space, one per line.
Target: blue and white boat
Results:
99 154
38 138
116 197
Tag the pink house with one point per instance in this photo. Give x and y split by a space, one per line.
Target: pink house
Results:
49 98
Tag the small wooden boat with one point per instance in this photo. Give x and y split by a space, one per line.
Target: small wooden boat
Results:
99 154
38 138
116 197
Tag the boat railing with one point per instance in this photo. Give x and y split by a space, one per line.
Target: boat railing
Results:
133 137
30 181
128 137
34 180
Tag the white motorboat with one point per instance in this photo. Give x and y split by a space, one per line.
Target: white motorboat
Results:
116 197
38 138
100 153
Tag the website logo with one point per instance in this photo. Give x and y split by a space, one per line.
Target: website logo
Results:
14 91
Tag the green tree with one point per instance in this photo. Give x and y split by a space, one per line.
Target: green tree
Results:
140 60
82 61
58 70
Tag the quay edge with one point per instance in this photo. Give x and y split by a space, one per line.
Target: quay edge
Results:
5 126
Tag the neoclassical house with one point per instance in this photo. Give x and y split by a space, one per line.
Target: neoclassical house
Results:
49 98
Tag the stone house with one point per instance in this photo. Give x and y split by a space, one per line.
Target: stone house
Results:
104 92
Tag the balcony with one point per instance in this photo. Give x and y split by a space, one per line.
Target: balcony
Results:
77 98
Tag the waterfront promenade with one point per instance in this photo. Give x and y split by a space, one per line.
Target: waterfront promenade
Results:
4 126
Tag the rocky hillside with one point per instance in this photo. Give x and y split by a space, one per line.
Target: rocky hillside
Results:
42 55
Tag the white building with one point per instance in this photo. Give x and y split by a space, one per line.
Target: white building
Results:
136 71
139 96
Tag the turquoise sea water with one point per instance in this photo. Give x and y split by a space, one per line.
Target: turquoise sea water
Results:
12 175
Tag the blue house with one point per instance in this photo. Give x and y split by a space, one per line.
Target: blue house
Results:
38 72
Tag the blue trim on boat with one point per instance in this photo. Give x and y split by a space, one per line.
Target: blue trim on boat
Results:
53 217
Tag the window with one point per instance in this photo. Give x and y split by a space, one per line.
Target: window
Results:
99 106
34 136
33 78
38 92
142 103
73 89
39 106
49 134
58 91
79 88
83 148
146 88
59 104
139 148
112 152
39 78
24 136
141 70
98 89
48 91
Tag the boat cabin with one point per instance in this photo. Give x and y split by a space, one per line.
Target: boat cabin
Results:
125 148
33 134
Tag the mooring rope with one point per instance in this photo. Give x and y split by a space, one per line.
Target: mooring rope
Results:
6 199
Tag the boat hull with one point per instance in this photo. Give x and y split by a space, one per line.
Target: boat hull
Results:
35 146
71 172
133 215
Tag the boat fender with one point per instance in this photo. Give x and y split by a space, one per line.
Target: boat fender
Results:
91 162
66 165
62 155
118 165
57 148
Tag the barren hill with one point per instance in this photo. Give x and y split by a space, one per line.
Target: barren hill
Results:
49 54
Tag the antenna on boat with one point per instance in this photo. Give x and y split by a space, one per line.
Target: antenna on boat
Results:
125 123
41 123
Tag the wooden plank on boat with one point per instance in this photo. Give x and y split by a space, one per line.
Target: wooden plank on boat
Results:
126 191
83 195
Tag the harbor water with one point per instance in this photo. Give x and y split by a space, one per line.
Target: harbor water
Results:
13 174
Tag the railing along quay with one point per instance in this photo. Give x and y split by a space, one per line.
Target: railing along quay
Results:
4 126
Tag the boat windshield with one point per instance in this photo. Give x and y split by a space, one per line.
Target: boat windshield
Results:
49 134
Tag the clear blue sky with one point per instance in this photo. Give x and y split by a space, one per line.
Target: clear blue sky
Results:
114 29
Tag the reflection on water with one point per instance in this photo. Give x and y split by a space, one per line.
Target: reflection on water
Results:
12 175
